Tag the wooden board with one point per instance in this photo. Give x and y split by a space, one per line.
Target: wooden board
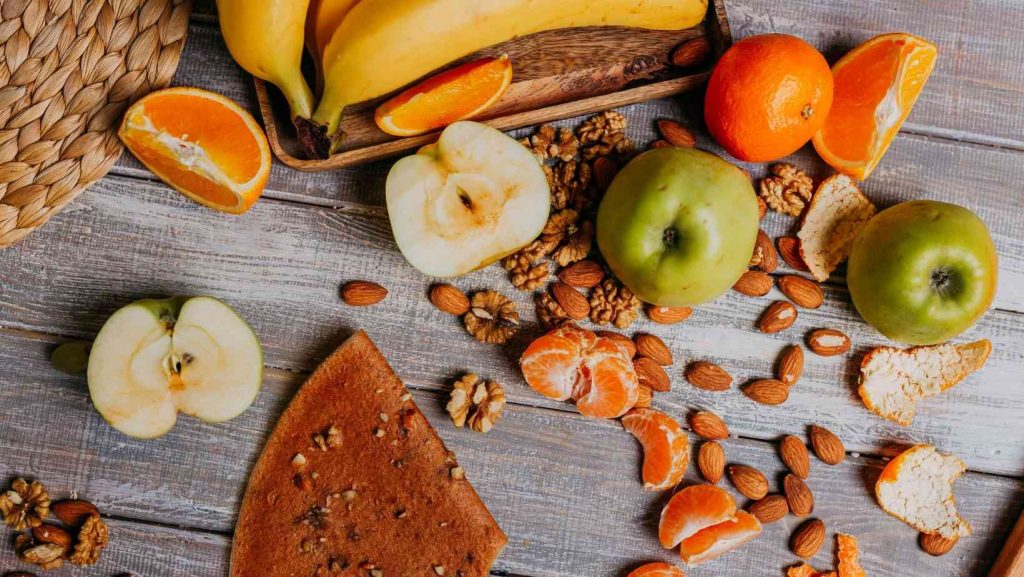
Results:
557 74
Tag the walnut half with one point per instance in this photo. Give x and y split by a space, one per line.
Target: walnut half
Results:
478 402
25 505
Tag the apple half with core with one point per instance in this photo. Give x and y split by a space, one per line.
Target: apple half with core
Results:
677 226
154 358
467 201
923 271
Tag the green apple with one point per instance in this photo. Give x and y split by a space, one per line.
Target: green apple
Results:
923 271
678 225
154 358
465 202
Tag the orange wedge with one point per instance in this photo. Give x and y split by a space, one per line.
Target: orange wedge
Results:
202 144
692 509
875 87
719 539
457 94
666 447
657 569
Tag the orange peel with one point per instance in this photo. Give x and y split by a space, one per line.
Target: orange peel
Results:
917 488
805 570
837 212
849 553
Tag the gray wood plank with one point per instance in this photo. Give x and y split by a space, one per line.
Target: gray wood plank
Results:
564 488
281 266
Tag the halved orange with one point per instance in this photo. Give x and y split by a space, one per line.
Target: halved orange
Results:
457 94
666 447
201 144
875 87
657 569
692 509
719 539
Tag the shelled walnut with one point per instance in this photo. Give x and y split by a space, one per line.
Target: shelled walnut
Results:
476 402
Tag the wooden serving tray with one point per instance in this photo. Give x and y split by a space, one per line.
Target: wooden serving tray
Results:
556 74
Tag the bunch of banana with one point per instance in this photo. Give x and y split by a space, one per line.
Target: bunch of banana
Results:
378 46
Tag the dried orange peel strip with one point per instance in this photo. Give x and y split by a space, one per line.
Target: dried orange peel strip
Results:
893 380
849 552
917 488
836 214
805 570
666 447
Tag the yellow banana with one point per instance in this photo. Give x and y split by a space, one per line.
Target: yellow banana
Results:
382 45
266 39
324 18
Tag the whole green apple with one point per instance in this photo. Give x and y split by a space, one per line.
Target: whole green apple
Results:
923 271
677 226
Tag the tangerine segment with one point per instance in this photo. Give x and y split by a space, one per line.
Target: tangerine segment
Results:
551 363
849 565
666 447
201 144
693 508
610 385
876 86
457 94
657 569
720 539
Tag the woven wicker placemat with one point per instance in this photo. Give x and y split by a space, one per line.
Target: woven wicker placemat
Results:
68 70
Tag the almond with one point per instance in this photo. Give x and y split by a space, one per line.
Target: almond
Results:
676 134
779 316
749 481
790 365
48 533
807 538
668 315
605 170
361 293
769 509
651 374
572 301
711 462
659 143
708 376
691 52
709 425
582 274
754 283
767 391
793 452
803 292
936 545
73 512
789 250
449 299
827 446
762 207
620 338
798 495
764 256
652 346
828 342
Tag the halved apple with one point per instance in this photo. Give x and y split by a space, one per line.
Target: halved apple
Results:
472 198
154 358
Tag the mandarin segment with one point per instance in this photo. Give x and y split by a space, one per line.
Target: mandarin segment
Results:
692 509
719 539
666 447
657 569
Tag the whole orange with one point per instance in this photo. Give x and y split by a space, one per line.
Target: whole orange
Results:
767 96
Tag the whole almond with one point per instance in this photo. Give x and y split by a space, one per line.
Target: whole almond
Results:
749 481
708 376
668 315
827 446
828 342
691 52
73 512
769 508
762 207
936 545
803 292
620 338
582 274
711 462
676 134
767 391
709 425
605 170
361 293
651 374
49 533
798 495
754 283
779 316
764 256
652 346
807 538
789 250
572 301
790 365
793 452
449 299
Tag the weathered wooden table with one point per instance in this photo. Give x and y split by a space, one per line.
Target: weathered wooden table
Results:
564 488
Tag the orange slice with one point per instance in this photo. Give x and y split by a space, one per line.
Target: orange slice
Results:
876 85
719 539
551 363
457 94
657 569
691 509
666 447
202 144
